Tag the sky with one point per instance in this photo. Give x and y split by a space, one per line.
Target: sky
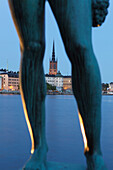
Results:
102 39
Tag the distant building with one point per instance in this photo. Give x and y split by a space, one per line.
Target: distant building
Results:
50 79
10 80
53 63
67 83
55 80
61 82
0 82
111 87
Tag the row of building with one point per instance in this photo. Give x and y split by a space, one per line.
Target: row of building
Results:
10 80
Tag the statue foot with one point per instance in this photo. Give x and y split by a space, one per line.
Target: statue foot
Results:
37 160
95 162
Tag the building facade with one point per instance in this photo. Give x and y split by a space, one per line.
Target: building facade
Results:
61 82
0 82
10 81
111 87
55 80
67 83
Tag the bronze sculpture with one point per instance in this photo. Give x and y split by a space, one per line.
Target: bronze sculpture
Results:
75 21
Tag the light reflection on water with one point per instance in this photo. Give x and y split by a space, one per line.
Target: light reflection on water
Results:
63 131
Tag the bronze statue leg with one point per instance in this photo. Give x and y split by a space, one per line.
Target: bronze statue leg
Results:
75 21
28 17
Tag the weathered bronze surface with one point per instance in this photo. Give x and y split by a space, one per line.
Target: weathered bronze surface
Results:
74 18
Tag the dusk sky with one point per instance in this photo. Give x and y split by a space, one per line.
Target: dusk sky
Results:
102 38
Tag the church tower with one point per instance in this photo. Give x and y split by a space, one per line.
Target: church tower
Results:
53 63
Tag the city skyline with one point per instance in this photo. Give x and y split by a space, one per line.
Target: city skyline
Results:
10 50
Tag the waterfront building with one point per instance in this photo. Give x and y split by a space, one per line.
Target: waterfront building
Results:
53 63
61 82
50 79
0 82
55 80
10 81
110 87
67 83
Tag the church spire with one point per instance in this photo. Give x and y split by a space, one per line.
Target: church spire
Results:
53 53
53 63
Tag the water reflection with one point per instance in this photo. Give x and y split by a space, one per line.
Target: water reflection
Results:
63 131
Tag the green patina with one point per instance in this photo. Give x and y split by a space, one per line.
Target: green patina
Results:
74 18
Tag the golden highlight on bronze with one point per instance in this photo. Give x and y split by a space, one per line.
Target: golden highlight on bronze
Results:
86 148
28 122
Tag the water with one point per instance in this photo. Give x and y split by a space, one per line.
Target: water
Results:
63 131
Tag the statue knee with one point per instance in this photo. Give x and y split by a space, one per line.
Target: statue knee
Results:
78 52
81 48
82 55
34 47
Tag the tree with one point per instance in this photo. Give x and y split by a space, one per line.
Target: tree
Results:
50 87
105 86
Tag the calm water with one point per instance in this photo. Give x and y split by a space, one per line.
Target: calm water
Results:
63 132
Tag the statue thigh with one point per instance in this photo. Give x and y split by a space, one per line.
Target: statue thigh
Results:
28 17
74 19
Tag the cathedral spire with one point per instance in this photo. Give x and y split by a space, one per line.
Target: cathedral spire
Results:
53 53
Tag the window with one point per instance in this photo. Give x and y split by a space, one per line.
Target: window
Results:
54 66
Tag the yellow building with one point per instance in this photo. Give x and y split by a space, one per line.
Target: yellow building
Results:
67 83
10 81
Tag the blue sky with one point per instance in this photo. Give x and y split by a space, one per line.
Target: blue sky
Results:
102 39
